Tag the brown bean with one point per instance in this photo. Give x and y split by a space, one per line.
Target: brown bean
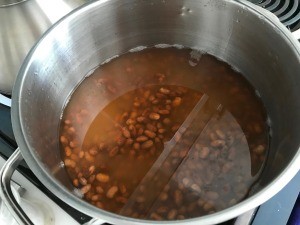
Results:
147 144
177 137
88 157
100 205
141 119
157 140
196 188
204 152
163 196
93 151
123 188
257 128
136 104
166 121
99 190
92 178
164 112
151 127
161 131
112 191
114 151
126 132
155 109
155 216
122 150
102 146
124 115
172 214
185 181
120 140
149 133
146 94
181 217
140 131
76 182
220 134
160 96
74 144
82 181
168 107
164 91
178 197
168 101
81 154
161 137
68 151
154 116
213 136
226 167
136 146
64 140
218 143
67 122
208 206
102 177
133 114
121 199
177 101
74 157
70 163
71 130
79 118
259 150
151 98
142 138
155 101
129 141
130 121
92 169
132 129
96 198
162 209
85 188
84 112
175 127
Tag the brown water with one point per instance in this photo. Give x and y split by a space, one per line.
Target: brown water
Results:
164 134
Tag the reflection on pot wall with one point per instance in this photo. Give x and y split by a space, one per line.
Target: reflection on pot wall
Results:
21 26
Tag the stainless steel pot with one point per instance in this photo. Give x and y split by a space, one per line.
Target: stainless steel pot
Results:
235 31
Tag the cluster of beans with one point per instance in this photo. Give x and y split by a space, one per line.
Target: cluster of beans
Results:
206 172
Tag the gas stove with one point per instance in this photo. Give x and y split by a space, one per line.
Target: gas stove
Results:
43 207
288 11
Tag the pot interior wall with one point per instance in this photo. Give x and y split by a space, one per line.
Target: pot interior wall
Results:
99 31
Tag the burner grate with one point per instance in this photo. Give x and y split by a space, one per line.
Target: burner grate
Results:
288 11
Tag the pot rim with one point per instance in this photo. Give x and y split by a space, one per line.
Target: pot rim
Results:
261 196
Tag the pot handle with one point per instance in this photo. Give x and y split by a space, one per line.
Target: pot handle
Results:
6 193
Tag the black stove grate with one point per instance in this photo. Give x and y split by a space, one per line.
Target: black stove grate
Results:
288 11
